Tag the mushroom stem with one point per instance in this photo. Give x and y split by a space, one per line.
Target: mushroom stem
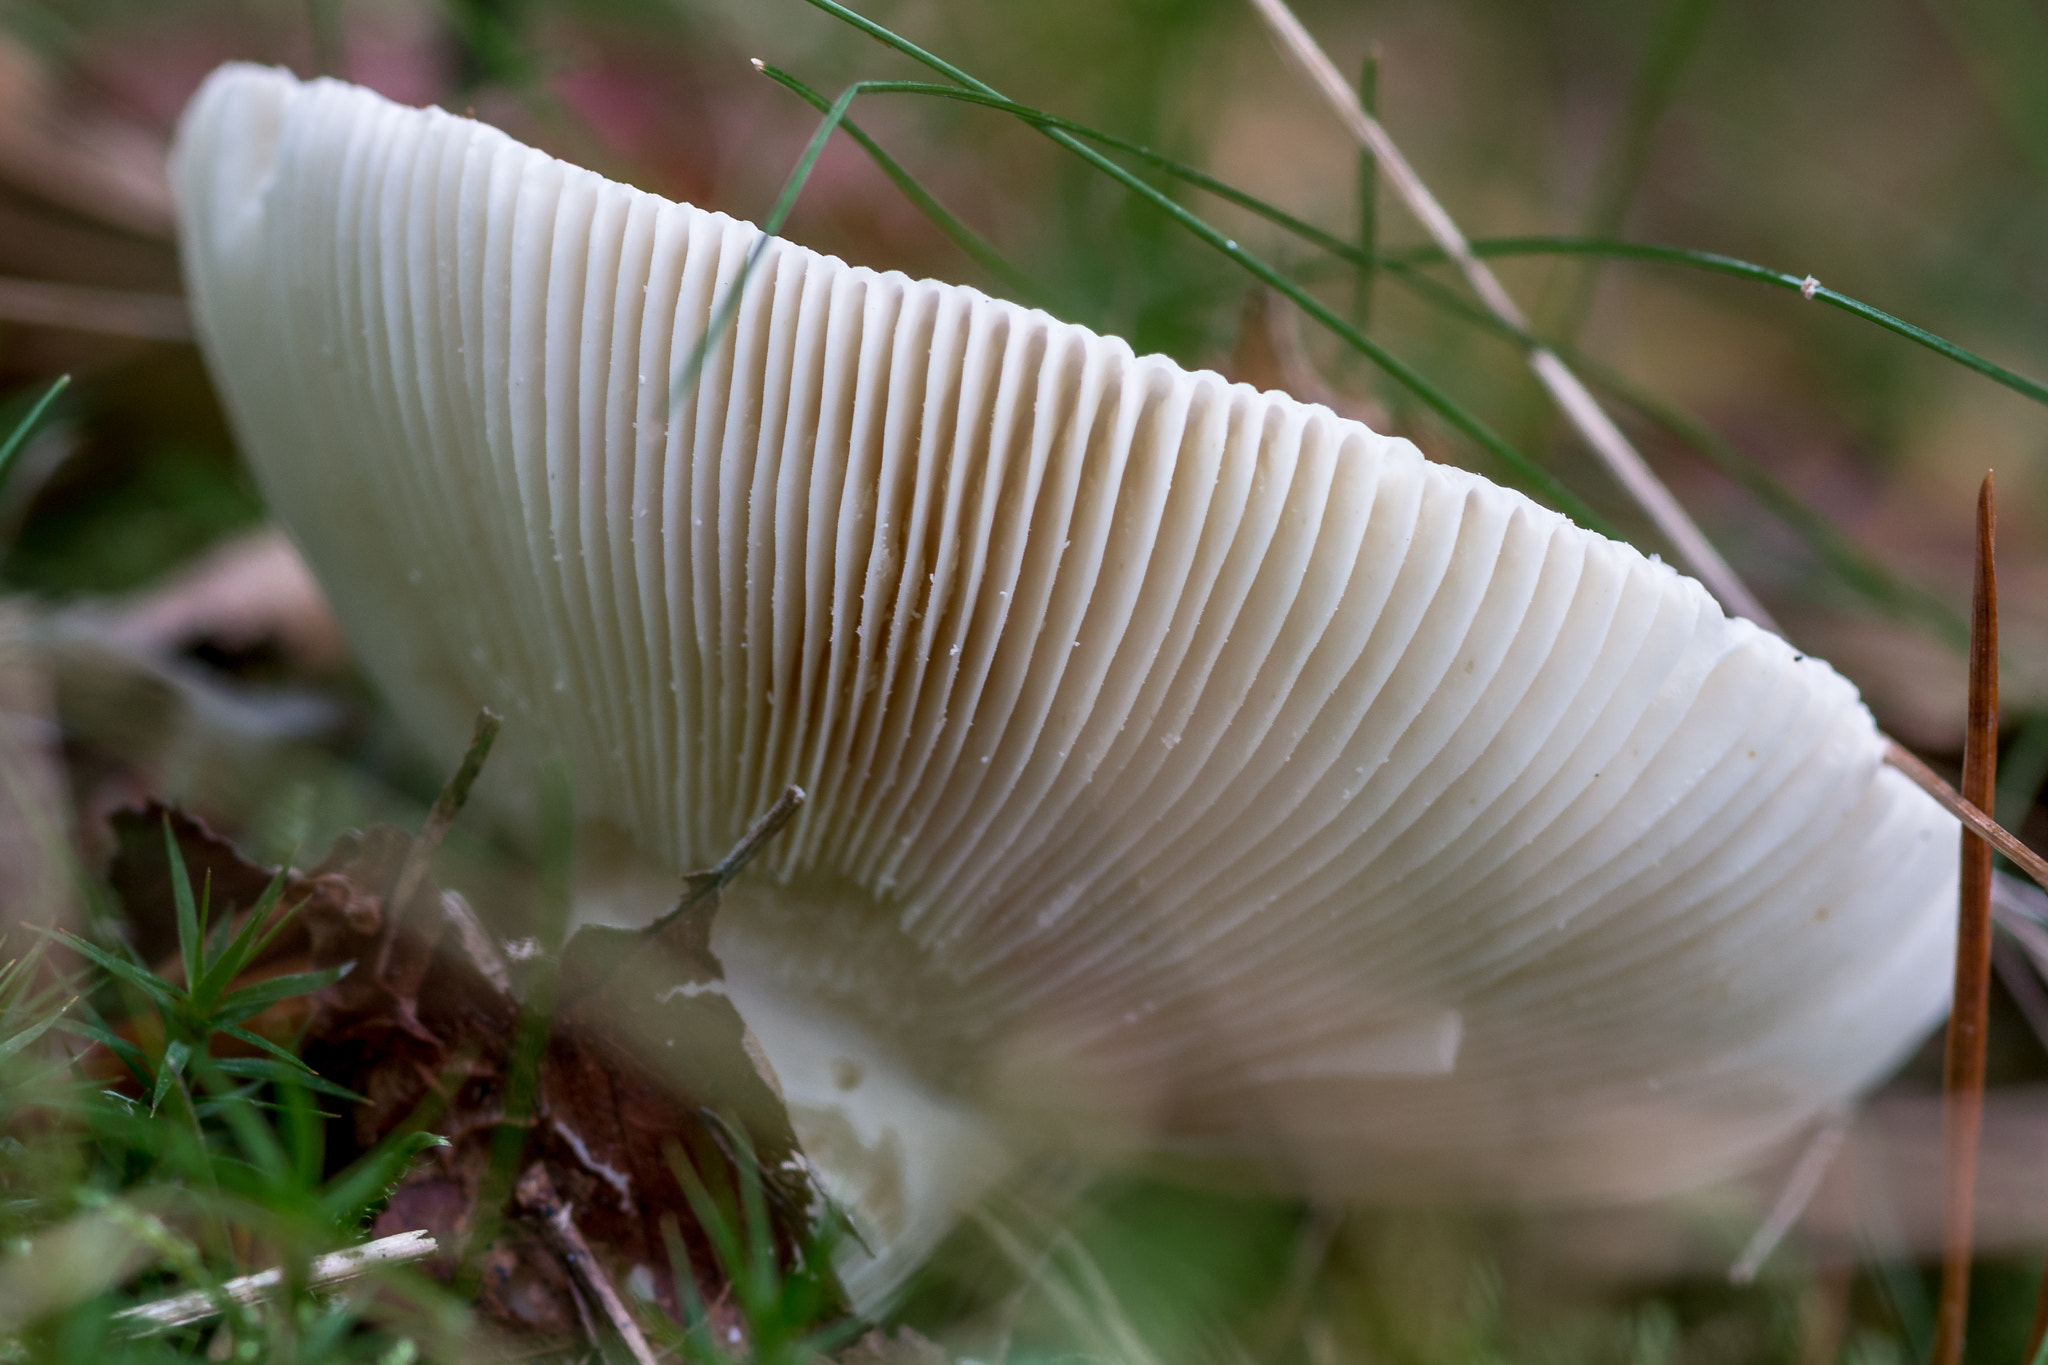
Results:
1566 390
1963 1076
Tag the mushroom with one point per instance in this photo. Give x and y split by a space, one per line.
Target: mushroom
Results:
1195 776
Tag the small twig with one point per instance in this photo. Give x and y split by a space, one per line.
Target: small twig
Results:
536 1197
419 857
1798 1192
446 807
1963 1073
710 882
323 1272
1572 397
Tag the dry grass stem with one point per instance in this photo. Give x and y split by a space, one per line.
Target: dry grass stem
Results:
323 1272
1572 397
1800 1185
1963 1074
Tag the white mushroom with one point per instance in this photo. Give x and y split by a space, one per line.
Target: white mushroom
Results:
1193 773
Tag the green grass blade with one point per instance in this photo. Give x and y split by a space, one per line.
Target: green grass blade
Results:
978 93
191 932
1860 571
1718 264
350 1195
259 927
19 974
93 1029
25 428
255 999
1043 120
257 1040
771 226
168 1070
712 1218
162 994
16 1042
962 236
1368 197
259 1143
276 1073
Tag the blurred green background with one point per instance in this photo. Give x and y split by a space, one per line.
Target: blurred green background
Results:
1896 150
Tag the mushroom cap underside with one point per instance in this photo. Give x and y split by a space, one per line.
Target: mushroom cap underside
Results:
1190 769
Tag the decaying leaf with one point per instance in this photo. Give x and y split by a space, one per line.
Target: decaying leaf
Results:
650 1111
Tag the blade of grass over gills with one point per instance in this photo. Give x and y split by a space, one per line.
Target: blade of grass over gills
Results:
771 227
962 236
1406 258
1459 418
1862 572
1572 397
1396 261
1963 1074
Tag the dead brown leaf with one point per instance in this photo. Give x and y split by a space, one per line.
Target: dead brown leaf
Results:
649 1090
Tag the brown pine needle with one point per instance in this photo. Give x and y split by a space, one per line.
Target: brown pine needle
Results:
1974 819
1963 1075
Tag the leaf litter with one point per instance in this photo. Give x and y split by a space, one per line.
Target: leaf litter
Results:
613 1135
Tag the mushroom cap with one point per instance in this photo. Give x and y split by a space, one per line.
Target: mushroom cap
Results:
1192 771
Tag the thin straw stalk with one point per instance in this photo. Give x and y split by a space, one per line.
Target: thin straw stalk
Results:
1571 396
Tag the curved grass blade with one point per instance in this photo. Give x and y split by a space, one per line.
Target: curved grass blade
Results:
771 226
966 238
161 993
14 1043
191 922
